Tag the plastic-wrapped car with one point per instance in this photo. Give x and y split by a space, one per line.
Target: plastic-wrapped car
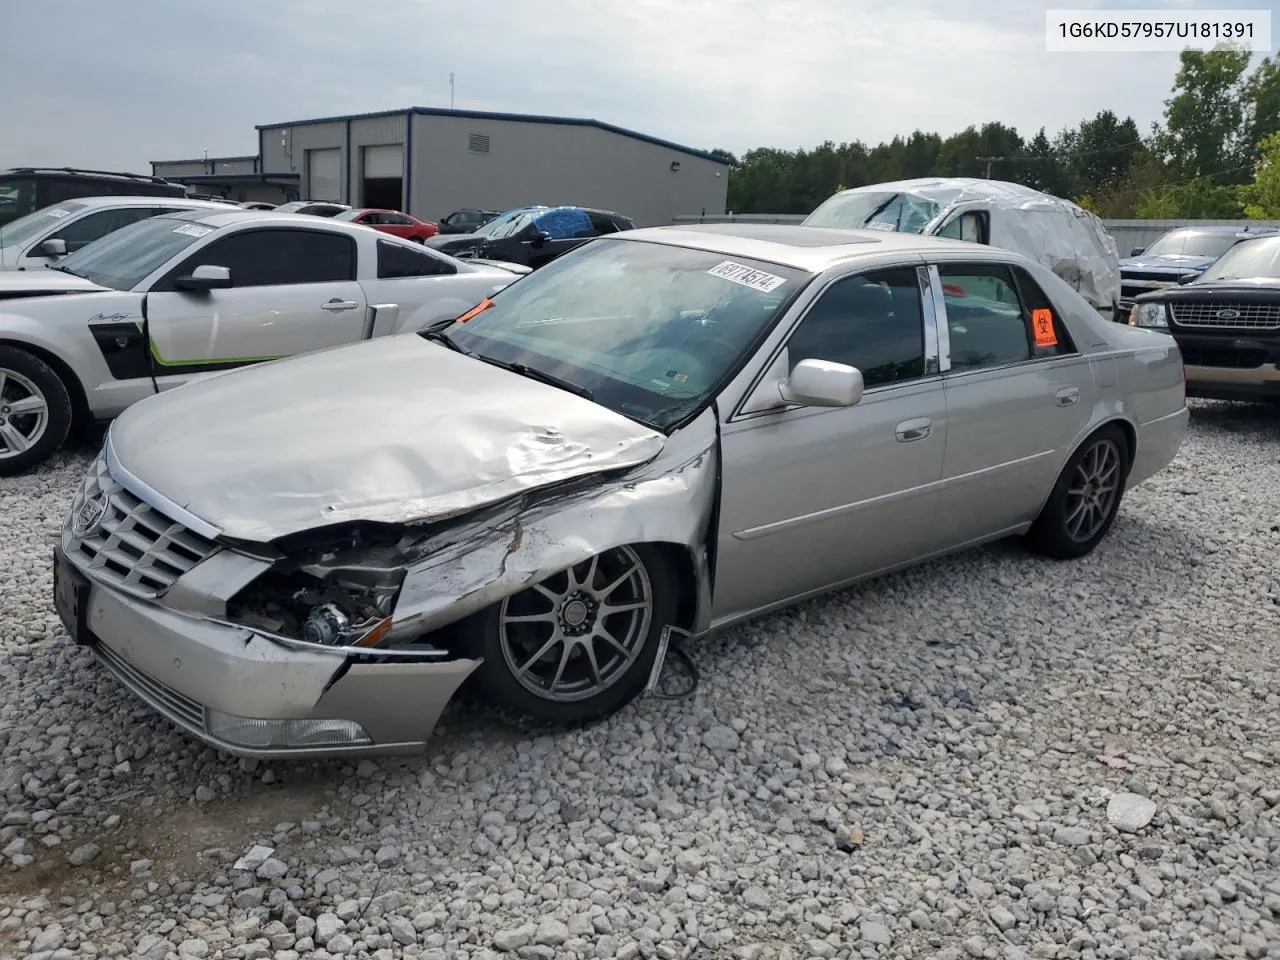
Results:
1063 236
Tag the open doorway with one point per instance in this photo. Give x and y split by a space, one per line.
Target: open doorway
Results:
383 193
382 176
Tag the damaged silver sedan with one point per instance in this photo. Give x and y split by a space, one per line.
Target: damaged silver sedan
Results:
667 430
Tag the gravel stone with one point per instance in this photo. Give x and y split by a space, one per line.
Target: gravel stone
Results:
909 768
1130 812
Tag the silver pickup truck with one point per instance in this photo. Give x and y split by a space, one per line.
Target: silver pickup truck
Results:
172 298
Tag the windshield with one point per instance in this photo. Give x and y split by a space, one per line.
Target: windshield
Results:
650 330
34 224
1191 243
349 214
876 210
124 258
509 223
1249 260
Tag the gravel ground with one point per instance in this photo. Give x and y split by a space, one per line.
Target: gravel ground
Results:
989 757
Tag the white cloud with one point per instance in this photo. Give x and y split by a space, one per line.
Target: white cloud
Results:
120 85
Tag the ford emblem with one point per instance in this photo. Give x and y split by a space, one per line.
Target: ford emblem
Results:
1228 314
89 516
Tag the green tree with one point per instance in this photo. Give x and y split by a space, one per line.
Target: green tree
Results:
1102 150
1203 134
1262 101
1261 199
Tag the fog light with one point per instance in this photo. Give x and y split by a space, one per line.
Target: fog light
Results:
284 734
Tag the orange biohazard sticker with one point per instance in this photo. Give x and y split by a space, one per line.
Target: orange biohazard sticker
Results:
475 311
1042 327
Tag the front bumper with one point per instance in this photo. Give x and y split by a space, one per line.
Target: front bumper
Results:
1230 368
251 695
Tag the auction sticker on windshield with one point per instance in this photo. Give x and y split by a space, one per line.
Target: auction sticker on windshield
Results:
193 230
747 276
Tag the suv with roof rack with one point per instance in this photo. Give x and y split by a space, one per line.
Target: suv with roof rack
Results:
24 190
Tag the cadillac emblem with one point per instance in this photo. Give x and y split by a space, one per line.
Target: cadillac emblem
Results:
1228 314
90 514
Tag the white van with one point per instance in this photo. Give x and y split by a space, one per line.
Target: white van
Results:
1066 238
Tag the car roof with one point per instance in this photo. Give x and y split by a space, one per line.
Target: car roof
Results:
230 216
812 249
176 202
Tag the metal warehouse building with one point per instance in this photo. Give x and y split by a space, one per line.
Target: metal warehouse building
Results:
430 161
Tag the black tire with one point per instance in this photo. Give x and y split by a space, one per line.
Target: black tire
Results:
495 679
418 240
23 371
1051 534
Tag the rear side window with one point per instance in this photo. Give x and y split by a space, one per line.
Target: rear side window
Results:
1049 337
271 257
985 320
396 261
602 224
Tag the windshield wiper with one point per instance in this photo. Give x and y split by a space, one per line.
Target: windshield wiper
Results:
439 336
66 270
534 373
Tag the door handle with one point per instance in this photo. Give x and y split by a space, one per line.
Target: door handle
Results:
336 304
1067 396
909 430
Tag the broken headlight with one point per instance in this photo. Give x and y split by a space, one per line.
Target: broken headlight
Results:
333 588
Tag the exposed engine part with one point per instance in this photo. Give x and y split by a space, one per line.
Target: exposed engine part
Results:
326 624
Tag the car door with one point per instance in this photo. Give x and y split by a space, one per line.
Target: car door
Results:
397 224
562 229
293 290
1019 394
813 497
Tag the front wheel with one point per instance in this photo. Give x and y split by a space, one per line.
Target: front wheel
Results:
578 646
1086 498
35 411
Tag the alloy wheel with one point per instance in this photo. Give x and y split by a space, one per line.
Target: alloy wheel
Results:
1095 484
24 414
576 634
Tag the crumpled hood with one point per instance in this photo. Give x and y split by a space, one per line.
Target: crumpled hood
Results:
454 241
393 429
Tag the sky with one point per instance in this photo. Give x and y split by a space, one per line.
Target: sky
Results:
118 84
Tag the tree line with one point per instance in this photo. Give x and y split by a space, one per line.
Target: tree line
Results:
1215 154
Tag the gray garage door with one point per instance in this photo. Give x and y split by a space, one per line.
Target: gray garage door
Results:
384 163
324 175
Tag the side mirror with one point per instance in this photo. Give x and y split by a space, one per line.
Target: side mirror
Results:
540 238
1136 251
204 277
52 248
1187 278
821 383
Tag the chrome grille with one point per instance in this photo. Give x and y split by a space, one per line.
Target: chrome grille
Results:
1247 316
134 546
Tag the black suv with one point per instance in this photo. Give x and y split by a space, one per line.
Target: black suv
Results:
26 189
532 236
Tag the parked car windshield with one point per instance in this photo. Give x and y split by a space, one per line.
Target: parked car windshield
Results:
33 224
1191 243
649 330
877 210
124 258
508 224
1248 260
349 214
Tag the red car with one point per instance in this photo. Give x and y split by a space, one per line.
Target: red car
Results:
393 222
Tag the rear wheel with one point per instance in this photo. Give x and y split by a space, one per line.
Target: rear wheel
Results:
418 239
579 645
1086 498
35 411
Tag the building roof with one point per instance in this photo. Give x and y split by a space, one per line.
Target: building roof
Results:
252 156
510 117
